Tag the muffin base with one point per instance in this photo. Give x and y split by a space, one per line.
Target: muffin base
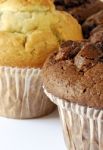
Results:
82 126
21 94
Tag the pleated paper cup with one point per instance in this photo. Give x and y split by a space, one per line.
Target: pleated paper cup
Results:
82 126
21 94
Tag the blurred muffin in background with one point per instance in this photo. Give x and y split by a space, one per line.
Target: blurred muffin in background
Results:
93 24
80 9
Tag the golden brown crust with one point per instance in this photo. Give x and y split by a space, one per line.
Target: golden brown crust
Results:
29 36
20 50
77 77
25 5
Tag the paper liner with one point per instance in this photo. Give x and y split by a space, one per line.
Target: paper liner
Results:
21 94
82 126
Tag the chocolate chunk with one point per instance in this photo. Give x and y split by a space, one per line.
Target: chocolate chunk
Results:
68 50
97 37
87 57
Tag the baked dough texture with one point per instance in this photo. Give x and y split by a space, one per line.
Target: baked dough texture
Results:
31 29
25 5
77 73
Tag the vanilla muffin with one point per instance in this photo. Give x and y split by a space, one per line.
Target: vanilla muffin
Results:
30 34
76 86
29 31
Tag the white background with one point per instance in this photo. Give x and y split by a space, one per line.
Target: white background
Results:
35 134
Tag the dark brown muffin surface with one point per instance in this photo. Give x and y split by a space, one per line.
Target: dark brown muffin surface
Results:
93 24
75 73
69 3
80 9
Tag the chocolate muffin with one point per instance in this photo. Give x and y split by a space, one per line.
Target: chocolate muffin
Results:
80 9
93 24
73 80
77 73
85 10
69 3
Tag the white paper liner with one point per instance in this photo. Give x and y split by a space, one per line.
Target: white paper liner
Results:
82 126
21 93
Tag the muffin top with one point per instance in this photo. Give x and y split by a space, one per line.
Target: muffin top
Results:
25 5
92 22
75 73
88 8
30 30
80 9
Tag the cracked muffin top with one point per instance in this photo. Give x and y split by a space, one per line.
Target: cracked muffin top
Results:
31 29
75 73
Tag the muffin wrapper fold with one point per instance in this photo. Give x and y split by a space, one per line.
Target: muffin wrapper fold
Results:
21 94
82 126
